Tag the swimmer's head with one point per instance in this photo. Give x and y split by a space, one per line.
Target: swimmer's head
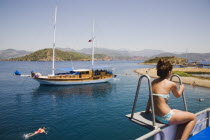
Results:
163 68
43 127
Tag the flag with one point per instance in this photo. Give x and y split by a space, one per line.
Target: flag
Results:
91 39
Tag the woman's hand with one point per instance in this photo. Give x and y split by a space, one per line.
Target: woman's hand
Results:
177 93
181 88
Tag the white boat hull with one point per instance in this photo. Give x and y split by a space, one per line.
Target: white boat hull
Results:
47 82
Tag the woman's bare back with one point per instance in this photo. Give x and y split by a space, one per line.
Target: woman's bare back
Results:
162 87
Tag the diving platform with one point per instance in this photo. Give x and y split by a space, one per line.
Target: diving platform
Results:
145 119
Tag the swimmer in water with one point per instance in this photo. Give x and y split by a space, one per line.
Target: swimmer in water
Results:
193 84
40 130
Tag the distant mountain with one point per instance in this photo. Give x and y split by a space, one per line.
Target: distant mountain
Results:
188 56
103 54
11 53
147 52
67 49
46 55
67 55
111 52
173 60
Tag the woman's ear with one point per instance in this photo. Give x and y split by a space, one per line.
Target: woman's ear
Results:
169 74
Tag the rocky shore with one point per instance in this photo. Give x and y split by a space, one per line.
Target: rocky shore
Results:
152 72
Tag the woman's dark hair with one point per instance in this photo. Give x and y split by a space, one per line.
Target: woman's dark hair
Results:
163 67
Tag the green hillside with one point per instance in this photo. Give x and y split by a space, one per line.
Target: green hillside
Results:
173 60
46 55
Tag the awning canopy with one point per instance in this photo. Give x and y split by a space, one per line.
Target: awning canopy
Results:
66 69
100 67
70 69
94 67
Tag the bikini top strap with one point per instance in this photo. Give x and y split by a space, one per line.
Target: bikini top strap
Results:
165 96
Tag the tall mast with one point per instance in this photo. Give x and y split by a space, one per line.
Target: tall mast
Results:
93 37
53 62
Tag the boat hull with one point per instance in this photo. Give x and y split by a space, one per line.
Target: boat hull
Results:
51 82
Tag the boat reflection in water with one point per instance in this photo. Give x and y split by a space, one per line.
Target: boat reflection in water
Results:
93 90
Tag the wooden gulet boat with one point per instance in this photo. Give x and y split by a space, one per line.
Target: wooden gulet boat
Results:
72 76
80 76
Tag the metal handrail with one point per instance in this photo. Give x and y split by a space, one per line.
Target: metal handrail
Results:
151 97
208 114
152 133
183 96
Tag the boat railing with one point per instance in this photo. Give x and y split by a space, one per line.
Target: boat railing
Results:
183 95
150 134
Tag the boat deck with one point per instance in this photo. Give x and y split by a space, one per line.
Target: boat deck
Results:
202 135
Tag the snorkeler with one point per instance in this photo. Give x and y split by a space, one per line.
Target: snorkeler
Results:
40 130
161 88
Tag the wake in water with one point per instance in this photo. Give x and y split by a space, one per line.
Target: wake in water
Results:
26 136
40 130
116 79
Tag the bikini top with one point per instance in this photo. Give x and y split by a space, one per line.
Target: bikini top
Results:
165 96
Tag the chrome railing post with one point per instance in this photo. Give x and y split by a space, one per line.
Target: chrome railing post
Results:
151 100
183 96
136 96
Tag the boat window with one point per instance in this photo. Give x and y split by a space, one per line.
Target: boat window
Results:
85 72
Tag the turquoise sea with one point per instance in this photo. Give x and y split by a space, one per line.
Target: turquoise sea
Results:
81 112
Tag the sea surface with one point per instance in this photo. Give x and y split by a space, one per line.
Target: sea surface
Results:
81 112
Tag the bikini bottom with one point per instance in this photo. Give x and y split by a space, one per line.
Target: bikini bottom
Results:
166 118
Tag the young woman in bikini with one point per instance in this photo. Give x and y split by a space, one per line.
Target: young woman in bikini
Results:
161 88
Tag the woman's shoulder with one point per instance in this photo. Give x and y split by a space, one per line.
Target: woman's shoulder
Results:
157 80
165 82
172 83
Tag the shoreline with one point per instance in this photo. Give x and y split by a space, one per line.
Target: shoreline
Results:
152 72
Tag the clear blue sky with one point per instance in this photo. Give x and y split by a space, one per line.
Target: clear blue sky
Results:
169 25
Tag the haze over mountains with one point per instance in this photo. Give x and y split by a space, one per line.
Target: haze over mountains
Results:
145 52
11 53
117 54
188 56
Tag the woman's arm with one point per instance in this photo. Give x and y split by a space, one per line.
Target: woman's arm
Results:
177 93
45 132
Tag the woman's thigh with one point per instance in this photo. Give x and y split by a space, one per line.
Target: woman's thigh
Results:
180 117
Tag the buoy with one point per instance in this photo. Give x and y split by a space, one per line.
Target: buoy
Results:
200 99
17 72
